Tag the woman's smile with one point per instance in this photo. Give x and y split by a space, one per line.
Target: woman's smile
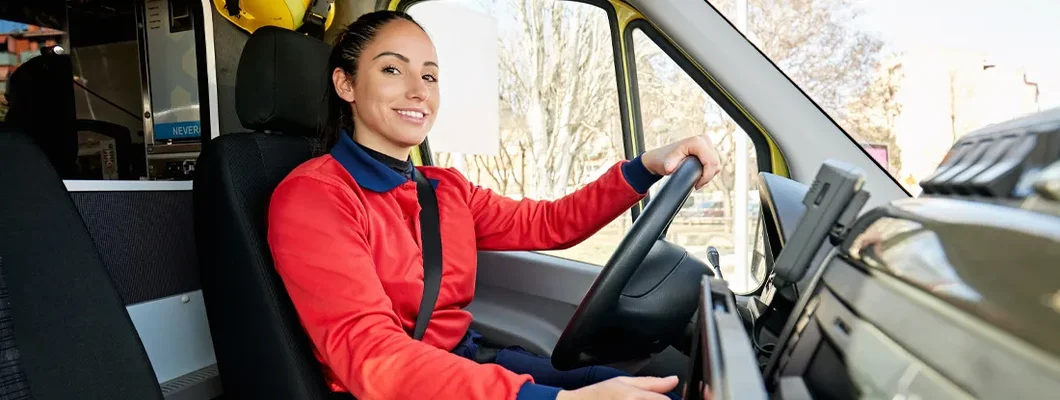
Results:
414 116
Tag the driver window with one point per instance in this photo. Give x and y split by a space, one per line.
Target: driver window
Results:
725 213
559 126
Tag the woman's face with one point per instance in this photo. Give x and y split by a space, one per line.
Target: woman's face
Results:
395 92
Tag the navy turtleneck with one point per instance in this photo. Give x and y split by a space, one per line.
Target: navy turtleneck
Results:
399 166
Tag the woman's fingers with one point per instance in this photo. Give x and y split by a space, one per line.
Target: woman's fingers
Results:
703 148
653 384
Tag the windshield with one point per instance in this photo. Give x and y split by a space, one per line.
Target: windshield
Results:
908 78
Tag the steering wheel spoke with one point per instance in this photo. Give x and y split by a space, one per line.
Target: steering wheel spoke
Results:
645 276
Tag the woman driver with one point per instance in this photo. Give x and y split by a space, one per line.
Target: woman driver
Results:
344 233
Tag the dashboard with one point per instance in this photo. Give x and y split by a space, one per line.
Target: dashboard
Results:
918 303
953 295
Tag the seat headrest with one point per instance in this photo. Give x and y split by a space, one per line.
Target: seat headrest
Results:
34 81
281 82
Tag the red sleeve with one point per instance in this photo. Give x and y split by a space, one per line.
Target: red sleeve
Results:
503 223
318 241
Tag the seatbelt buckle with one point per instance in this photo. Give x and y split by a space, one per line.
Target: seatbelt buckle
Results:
314 18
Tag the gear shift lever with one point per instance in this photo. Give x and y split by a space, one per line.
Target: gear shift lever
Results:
715 261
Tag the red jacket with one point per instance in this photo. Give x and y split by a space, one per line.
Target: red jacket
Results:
344 234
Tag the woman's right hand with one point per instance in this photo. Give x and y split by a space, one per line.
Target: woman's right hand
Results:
623 388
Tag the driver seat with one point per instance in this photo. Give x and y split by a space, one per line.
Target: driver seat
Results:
261 348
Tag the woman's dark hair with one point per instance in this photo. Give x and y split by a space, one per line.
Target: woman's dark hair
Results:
344 54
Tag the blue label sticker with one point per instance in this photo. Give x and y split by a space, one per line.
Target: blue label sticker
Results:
178 130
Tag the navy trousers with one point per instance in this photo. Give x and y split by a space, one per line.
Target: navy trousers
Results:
521 361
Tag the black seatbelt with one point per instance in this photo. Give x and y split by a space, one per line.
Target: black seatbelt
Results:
431 243
316 15
232 6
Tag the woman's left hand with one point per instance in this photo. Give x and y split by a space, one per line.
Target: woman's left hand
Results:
664 160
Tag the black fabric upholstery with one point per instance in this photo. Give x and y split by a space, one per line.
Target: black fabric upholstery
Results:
149 254
281 82
262 350
74 337
13 383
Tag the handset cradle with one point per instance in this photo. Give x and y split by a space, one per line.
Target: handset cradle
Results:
723 362
832 203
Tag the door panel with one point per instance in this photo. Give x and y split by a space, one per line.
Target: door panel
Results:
509 318
526 299
145 237
537 274
175 334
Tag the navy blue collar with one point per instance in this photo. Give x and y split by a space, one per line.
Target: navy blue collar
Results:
370 173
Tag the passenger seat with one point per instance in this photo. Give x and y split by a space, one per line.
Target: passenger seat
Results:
262 350
64 330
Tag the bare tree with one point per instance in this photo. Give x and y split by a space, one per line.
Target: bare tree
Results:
817 46
558 94
872 115
564 91
813 42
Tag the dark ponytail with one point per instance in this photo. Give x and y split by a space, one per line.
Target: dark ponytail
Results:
345 54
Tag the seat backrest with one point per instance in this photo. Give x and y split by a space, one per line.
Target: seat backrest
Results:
40 94
262 350
64 330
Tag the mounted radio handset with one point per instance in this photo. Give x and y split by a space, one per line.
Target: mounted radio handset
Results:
832 203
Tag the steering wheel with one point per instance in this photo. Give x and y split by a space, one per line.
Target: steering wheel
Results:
601 301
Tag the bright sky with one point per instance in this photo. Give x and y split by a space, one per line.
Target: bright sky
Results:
1013 32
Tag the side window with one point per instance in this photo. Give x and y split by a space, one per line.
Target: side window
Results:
559 126
725 213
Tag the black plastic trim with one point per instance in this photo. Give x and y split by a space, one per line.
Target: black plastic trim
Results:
145 72
203 72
